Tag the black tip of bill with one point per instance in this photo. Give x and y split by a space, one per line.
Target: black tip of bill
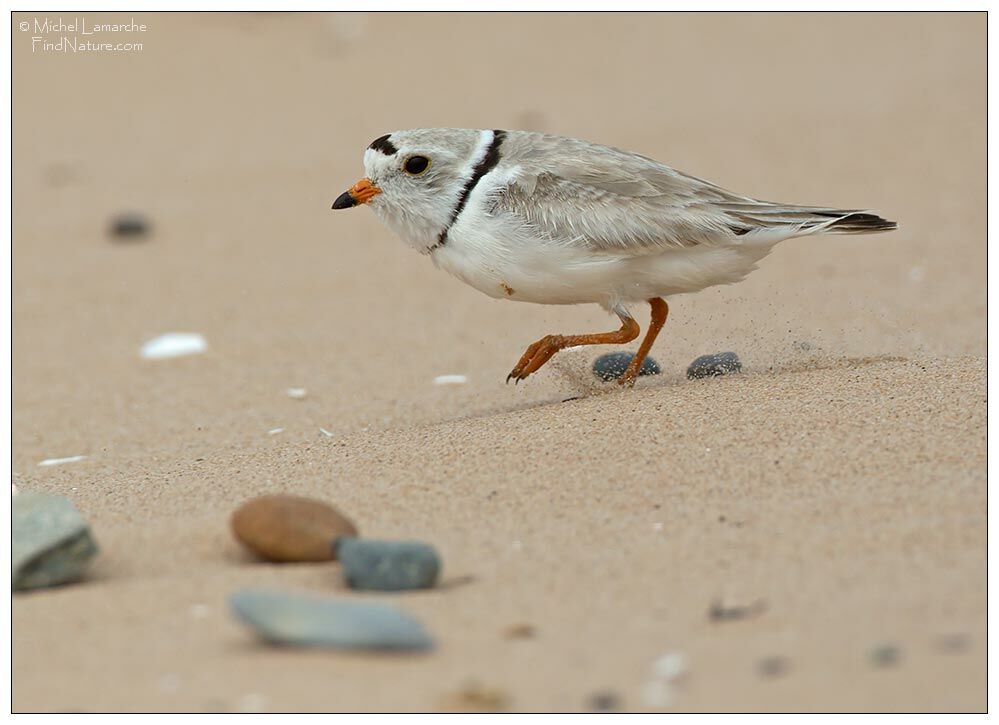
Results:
344 201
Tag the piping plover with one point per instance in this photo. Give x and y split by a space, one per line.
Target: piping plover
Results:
538 218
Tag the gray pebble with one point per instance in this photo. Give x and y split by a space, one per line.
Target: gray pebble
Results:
720 612
952 643
719 363
387 565
129 226
884 655
612 366
311 621
604 702
774 666
51 543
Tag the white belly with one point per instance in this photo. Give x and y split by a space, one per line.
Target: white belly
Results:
507 264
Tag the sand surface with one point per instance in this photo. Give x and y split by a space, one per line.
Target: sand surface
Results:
844 484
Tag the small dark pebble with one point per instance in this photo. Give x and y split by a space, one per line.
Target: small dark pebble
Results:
802 346
612 366
721 613
129 226
952 643
59 175
775 666
604 702
719 363
884 655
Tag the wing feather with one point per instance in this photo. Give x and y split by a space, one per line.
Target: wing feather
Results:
574 192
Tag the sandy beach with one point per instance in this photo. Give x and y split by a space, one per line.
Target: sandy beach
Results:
839 479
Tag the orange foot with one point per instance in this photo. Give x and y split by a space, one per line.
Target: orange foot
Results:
544 349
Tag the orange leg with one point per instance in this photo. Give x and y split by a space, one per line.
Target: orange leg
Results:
660 310
541 352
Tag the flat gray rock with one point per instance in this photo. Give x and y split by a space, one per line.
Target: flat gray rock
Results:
388 566
304 620
51 543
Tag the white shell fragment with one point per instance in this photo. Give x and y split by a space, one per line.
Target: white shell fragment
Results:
450 380
275 431
251 702
169 682
660 688
325 432
296 393
174 344
59 461
670 666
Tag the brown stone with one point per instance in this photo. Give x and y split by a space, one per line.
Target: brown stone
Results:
519 631
474 696
290 528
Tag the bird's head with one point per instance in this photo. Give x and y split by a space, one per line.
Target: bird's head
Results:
413 180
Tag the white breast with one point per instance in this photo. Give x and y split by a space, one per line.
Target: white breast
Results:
498 255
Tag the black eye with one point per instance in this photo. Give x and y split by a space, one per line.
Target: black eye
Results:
416 165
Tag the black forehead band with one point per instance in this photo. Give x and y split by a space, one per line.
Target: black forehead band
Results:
383 144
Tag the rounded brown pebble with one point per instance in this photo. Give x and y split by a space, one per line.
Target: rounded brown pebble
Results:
519 631
290 528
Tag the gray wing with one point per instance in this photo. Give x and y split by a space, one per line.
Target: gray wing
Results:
606 199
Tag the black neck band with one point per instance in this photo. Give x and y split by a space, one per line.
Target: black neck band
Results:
487 164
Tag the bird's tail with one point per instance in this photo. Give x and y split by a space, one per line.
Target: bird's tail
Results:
840 221
763 219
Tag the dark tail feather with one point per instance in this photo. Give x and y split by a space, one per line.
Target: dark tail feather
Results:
860 223
759 217
767 223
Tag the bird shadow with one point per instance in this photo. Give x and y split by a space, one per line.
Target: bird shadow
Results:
576 372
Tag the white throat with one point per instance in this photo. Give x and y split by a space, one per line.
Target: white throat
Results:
426 232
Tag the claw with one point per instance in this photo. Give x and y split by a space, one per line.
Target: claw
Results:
540 352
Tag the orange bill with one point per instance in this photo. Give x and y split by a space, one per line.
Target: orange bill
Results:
360 193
